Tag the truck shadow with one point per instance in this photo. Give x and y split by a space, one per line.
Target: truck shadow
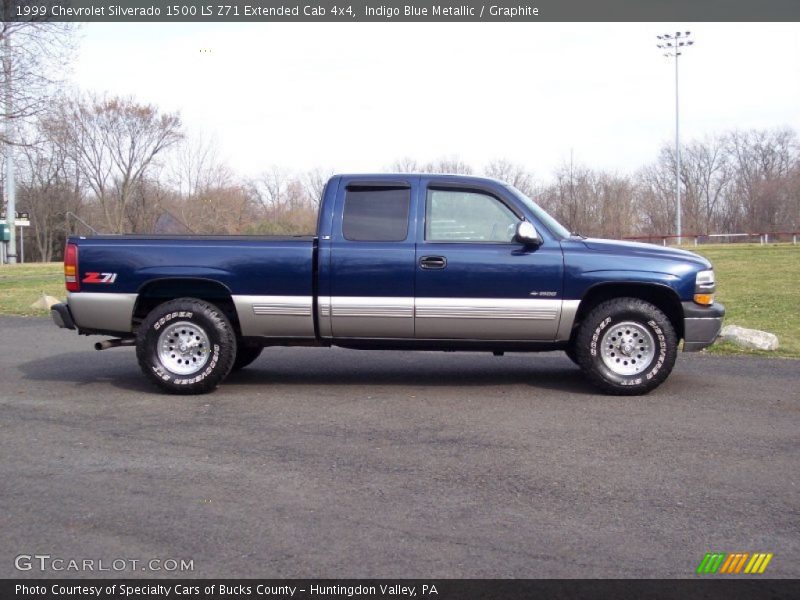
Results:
413 369
116 368
320 367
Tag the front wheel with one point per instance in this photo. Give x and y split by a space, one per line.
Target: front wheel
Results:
626 346
186 346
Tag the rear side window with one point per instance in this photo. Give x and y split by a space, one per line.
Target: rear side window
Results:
376 214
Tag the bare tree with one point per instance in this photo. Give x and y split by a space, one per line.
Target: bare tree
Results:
146 203
568 198
445 164
49 188
227 209
764 162
655 192
706 175
590 202
196 167
616 201
289 201
449 164
406 165
515 174
206 196
35 57
270 187
793 202
314 183
115 142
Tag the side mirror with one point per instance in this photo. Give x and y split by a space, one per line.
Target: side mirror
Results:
527 234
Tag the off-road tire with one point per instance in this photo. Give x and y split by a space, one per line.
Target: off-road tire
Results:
570 352
644 318
210 323
245 355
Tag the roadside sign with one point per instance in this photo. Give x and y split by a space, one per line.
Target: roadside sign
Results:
22 219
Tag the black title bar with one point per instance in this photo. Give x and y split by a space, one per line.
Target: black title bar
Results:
399 589
391 10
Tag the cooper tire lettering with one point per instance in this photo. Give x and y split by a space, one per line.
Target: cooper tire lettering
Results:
596 335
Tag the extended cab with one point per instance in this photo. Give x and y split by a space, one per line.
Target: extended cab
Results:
412 262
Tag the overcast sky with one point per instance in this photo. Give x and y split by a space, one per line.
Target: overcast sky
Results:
355 97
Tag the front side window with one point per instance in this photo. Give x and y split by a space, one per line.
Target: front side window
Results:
464 216
376 214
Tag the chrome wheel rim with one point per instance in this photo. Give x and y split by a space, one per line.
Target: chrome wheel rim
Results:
627 348
183 348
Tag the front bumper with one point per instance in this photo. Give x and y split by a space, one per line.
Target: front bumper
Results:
701 325
62 316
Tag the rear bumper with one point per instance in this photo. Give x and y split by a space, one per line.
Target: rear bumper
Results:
701 325
62 316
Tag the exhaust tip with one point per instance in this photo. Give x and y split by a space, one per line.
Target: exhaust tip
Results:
114 343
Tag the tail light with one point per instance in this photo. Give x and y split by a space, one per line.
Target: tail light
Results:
71 268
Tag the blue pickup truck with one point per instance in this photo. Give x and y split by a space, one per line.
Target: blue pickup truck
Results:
412 262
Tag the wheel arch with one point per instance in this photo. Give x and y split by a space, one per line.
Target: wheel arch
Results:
157 291
662 296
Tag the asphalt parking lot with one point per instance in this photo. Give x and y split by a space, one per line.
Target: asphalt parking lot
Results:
338 463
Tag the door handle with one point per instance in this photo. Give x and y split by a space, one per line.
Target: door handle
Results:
433 262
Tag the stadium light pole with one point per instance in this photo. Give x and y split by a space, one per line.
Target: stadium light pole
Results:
672 45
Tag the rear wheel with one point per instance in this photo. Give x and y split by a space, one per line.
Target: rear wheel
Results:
245 355
626 346
186 346
570 352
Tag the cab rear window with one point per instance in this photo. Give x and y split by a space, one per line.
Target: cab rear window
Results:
376 214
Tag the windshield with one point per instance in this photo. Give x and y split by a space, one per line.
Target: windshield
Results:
556 228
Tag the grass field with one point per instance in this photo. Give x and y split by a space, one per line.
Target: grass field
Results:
759 285
760 288
22 285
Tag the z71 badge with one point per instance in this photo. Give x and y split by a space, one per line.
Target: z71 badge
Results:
99 278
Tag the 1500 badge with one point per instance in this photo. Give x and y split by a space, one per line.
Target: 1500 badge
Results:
99 277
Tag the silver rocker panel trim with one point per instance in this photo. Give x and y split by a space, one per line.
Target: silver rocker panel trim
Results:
275 316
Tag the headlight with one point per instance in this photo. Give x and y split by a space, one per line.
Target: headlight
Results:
704 287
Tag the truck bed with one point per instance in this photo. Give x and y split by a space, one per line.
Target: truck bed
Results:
253 265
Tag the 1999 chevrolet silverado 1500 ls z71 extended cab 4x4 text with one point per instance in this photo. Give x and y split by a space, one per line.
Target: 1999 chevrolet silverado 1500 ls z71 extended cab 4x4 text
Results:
413 262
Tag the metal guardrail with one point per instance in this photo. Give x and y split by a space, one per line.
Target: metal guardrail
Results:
764 238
